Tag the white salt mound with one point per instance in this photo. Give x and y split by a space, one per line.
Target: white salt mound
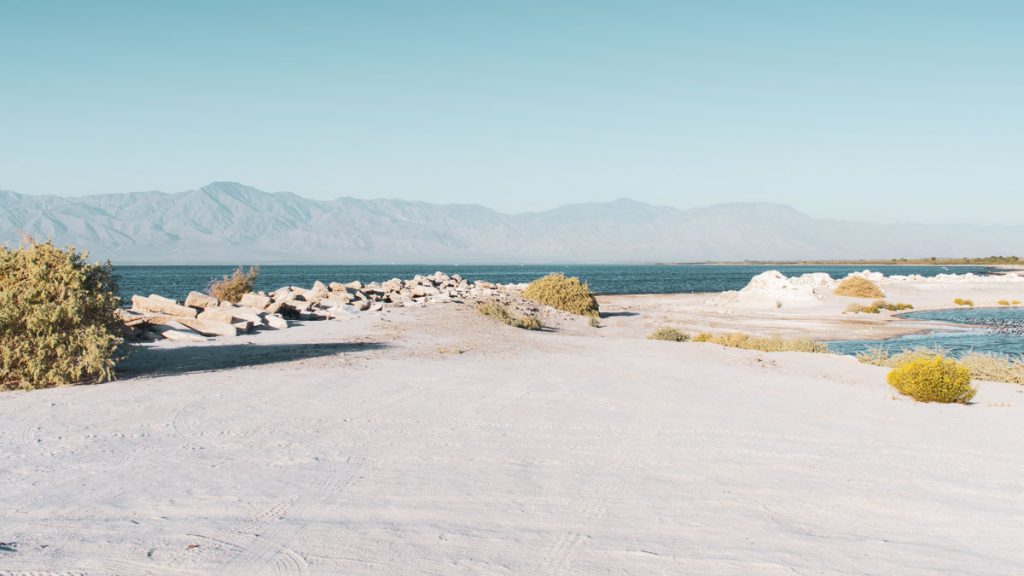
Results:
773 289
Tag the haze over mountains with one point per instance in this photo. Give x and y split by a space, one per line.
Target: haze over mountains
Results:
230 223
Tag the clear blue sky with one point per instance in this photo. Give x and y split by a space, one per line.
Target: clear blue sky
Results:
889 110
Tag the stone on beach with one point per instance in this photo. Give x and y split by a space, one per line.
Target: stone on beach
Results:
154 304
200 300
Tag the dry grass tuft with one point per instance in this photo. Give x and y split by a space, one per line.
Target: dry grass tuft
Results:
991 367
770 344
564 293
858 287
503 315
234 287
963 302
668 333
877 306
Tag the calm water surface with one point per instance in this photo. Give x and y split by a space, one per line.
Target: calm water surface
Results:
991 330
177 281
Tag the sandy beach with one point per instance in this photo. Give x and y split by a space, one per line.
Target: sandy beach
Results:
432 440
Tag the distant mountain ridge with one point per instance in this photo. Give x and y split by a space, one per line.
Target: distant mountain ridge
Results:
227 223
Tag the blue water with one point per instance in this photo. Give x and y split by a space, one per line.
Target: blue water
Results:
177 281
990 330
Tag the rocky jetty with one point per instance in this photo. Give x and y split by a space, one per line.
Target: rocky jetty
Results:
203 316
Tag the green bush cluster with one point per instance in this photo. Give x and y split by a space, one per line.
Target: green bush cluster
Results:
58 322
502 314
770 344
858 287
877 306
936 379
963 302
668 333
564 293
232 288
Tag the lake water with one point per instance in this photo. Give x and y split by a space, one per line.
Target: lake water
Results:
177 281
992 330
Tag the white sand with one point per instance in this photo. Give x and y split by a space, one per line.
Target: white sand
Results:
368 446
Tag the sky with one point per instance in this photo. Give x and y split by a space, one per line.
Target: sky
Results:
879 111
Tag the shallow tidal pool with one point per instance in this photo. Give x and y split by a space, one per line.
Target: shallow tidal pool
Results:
989 330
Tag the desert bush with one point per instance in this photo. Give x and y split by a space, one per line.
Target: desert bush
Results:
994 367
668 333
232 288
57 317
881 357
563 293
1015 302
770 344
991 367
595 322
877 306
963 302
1003 302
858 287
936 379
502 314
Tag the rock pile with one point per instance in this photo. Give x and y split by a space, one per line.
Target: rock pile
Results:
202 315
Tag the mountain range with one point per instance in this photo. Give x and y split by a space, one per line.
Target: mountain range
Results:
230 223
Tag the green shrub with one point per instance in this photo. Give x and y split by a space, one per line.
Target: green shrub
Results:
877 306
58 322
237 285
771 344
502 314
963 302
563 293
937 379
670 334
858 287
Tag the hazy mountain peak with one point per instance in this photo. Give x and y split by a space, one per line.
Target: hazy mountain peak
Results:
230 222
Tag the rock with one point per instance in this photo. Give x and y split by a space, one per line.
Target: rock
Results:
421 290
356 285
208 328
200 300
255 301
335 299
393 285
243 326
377 307
299 305
177 332
221 315
317 292
283 309
364 305
276 322
154 304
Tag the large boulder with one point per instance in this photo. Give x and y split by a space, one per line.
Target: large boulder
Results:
200 300
154 304
255 301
